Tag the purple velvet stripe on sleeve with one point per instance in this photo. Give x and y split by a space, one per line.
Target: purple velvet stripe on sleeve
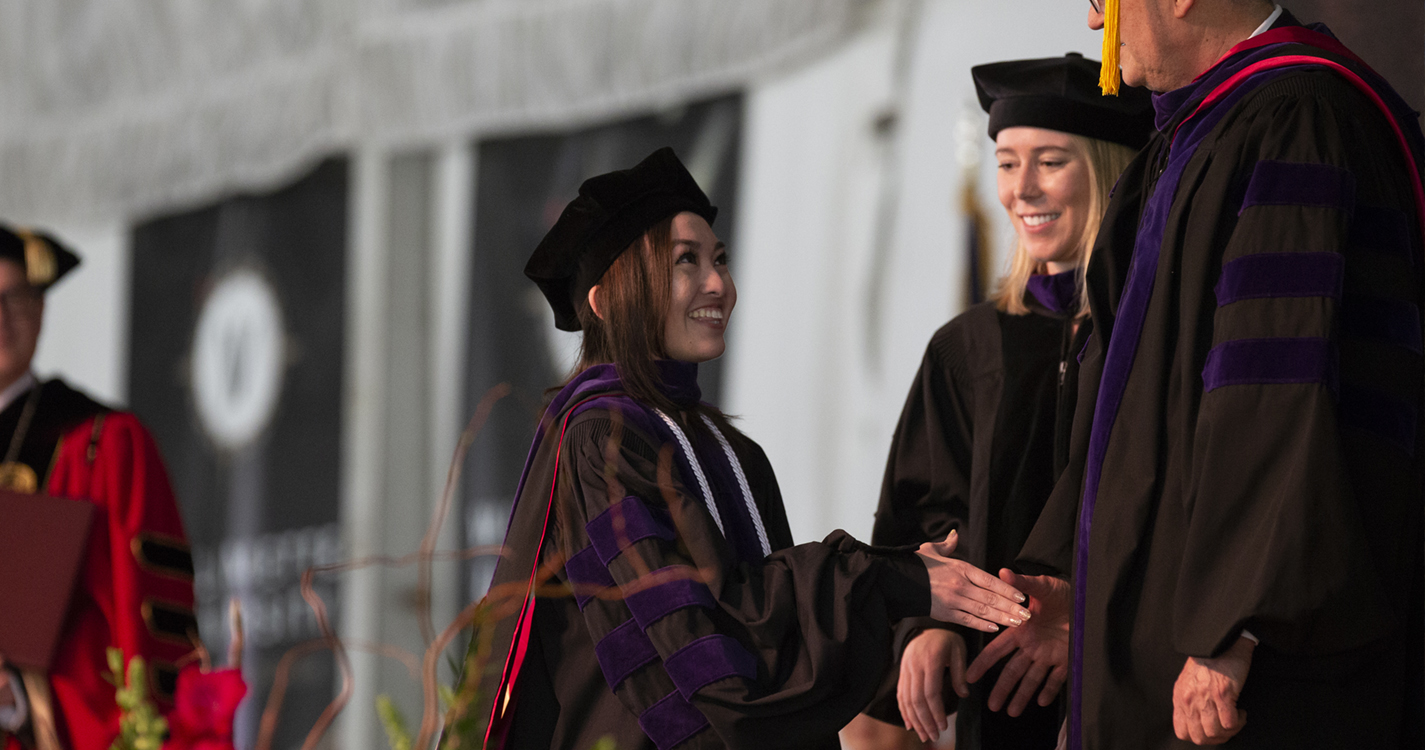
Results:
624 523
708 660
587 575
671 721
1270 361
1370 410
656 602
1281 275
1381 230
1284 183
1378 319
623 651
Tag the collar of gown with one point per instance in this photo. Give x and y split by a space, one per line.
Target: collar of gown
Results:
1168 106
1059 292
678 381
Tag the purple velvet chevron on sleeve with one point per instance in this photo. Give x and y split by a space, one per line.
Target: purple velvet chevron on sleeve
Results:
1375 412
625 522
623 651
671 721
1379 319
708 660
1285 183
1381 230
587 575
1270 361
1281 275
682 590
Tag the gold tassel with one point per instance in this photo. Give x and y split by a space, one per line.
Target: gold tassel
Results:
40 267
1109 77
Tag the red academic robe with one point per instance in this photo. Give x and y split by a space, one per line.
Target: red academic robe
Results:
136 586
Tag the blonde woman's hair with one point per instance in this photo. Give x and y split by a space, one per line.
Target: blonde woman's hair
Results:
1106 162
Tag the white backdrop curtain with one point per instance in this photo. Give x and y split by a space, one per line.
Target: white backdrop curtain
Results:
120 107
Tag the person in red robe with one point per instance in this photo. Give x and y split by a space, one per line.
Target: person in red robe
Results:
135 589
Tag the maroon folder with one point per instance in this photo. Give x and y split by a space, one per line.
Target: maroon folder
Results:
42 544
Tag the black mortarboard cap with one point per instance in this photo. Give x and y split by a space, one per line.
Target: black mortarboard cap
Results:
44 258
612 211
1061 93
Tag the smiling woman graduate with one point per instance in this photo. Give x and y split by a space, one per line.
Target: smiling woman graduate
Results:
648 582
983 434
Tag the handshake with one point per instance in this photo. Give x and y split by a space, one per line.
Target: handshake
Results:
1033 612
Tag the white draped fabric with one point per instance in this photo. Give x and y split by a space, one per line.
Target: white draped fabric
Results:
121 107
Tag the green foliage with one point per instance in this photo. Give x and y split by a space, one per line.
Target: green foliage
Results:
397 732
140 725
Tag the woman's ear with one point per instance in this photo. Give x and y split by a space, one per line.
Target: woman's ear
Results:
594 302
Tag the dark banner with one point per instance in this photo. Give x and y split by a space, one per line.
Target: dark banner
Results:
522 186
236 347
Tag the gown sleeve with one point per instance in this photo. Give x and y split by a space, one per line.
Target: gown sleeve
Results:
926 489
136 585
1302 498
765 655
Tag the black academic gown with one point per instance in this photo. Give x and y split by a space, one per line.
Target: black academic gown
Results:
974 451
1246 453
677 633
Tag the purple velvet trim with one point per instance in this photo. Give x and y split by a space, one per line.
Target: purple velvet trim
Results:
708 660
671 721
727 493
622 652
1281 275
1084 350
587 574
1122 345
1381 230
625 522
1378 319
656 602
1368 409
1059 292
1285 183
1268 361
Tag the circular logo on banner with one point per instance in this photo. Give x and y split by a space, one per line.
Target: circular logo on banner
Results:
238 358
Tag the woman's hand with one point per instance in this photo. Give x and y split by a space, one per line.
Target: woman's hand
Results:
1205 697
919 691
1040 649
965 595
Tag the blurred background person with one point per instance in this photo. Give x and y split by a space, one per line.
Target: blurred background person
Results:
134 591
984 432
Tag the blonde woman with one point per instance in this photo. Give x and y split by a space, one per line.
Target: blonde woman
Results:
980 440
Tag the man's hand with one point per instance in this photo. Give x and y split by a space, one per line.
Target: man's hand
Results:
1205 696
963 594
919 691
7 691
1040 647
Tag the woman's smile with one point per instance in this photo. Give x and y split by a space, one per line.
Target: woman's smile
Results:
710 315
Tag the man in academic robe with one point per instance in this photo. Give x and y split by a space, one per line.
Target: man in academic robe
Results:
135 586
1241 516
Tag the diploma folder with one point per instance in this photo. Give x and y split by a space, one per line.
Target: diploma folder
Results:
42 545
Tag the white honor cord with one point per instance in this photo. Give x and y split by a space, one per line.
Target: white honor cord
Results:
742 485
697 469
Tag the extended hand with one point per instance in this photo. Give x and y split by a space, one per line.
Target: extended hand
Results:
7 691
1040 647
963 594
1205 696
919 691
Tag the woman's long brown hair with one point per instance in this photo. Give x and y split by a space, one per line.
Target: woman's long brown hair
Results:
634 295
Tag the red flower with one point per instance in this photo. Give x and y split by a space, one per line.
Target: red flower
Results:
204 705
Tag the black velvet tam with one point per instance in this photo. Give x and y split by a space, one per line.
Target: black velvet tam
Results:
1061 93
45 259
612 211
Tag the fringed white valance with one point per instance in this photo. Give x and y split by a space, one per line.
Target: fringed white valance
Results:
121 107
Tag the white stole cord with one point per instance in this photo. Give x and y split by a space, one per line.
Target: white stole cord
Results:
706 489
